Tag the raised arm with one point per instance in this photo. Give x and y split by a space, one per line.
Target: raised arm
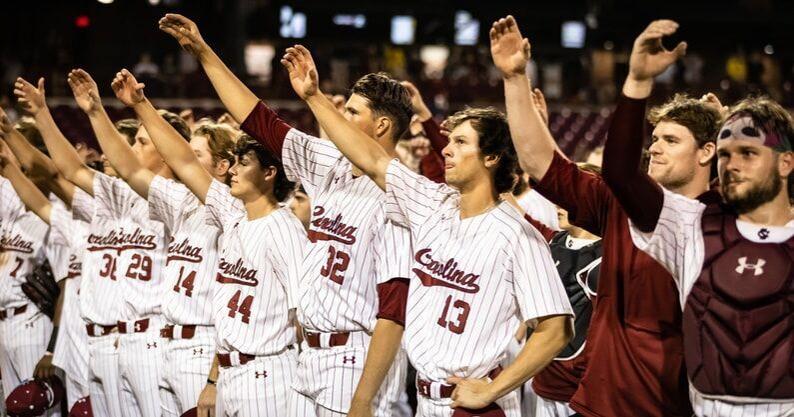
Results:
359 148
64 156
32 161
237 98
533 141
638 194
113 144
30 195
176 152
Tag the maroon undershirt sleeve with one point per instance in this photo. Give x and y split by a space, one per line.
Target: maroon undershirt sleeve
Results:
639 195
392 297
581 193
264 125
437 141
547 232
432 165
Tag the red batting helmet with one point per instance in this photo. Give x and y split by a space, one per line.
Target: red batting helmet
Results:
34 397
81 408
193 412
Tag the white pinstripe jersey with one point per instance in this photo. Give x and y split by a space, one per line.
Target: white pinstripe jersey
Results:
257 275
473 279
124 256
677 243
58 251
22 239
338 286
71 353
192 252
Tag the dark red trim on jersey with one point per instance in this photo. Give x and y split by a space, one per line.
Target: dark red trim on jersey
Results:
547 232
392 299
639 195
264 125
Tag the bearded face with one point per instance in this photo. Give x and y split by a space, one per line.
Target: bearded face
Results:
747 194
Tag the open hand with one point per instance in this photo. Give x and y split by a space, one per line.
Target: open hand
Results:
417 104
471 393
206 401
85 91
648 56
509 50
302 71
128 90
30 97
44 369
540 104
711 100
185 31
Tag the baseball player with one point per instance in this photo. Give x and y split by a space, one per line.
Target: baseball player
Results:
70 229
338 300
634 339
24 330
256 278
476 318
68 345
577 254
192 253
125 250
729 252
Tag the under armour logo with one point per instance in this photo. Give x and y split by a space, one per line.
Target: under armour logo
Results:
425 389
763 233
350 359
199 351
28 325
151 345
758 267
262 374
138 327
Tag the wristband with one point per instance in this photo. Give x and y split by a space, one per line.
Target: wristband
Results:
211 382
53 339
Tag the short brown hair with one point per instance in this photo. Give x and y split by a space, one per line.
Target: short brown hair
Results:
494 139
768 115
220 140
27 127
387 97
702 120
176 122
128 128
283 187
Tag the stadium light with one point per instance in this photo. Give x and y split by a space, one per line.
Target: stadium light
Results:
105 1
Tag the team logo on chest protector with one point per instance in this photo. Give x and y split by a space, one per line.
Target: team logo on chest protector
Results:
327 228
236 273
757 267
444 274
183 251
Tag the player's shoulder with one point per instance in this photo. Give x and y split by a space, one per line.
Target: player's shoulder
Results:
685 208
511 223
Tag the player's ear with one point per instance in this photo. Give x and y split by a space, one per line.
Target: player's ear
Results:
382 125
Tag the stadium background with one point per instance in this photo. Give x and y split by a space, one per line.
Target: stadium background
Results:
580 50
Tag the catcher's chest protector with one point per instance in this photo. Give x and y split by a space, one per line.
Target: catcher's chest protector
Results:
578 269
739 316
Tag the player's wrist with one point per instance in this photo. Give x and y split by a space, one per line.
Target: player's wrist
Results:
637 87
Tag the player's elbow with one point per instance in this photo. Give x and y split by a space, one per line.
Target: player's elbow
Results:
557 331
